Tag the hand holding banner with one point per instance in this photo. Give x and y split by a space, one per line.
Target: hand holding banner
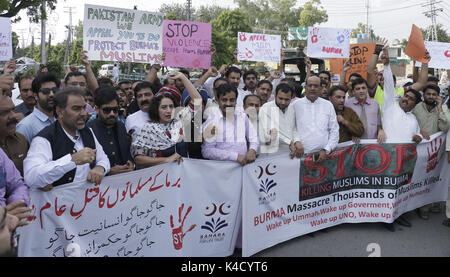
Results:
439 53
416 46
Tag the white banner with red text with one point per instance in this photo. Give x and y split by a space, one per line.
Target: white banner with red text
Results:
368 182
191 209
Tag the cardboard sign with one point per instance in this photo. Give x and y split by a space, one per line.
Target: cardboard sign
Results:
121 35
187 44
5 39
416 46
259 47
360 54
328 43
440 55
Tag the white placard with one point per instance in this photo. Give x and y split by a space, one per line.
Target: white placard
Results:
439 53
259 47
122 35
328 42
5 39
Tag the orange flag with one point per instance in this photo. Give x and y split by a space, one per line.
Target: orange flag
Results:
416 46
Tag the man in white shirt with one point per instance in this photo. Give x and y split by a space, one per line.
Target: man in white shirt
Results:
66 151
115 74
316 121
277 131
143 93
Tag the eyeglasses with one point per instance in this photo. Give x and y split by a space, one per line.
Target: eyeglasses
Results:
46 91
108 110
81 84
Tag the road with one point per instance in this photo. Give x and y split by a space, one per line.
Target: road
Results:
425 238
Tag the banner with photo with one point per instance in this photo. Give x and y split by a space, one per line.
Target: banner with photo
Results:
368 182
122 35
168 210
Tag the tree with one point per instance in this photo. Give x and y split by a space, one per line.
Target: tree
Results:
178 9
312 14
361 29
10 8
208 13
442 35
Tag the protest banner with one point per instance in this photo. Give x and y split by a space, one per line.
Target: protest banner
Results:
187 44
439 53
122 35
5 39
416 46
166 210
369 182
298 33
359 58
328 43
259 47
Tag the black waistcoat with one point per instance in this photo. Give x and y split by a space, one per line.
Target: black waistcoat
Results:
62 145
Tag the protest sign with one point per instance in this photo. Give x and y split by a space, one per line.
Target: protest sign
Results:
416 46
369 182
298 33
328 43
5 39
166 210
187 44
439 53
259 47
359 58
122 35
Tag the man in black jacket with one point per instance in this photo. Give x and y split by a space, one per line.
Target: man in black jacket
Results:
110 132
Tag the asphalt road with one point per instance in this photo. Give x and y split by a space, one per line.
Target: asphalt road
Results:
425 238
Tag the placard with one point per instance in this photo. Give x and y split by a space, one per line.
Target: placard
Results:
6 52
440 55
328 42
187 44
122 35
259 47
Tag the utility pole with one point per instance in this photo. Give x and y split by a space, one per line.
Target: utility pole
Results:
43 22
432 13
367 19
188 10
69 35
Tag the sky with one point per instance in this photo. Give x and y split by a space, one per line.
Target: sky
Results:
391 19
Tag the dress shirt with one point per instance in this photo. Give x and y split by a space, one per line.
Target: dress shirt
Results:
31 125
398 125
12 186
241 95
373 115
211 107
317 124
430 121
41 170
136 121
230 138
16 147
270 117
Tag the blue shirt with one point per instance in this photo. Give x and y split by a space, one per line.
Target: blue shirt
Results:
31 125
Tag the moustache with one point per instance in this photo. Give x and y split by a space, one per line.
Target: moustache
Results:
145 102
12 121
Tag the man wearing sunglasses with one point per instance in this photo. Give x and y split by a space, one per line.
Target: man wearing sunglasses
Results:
110 132
44 88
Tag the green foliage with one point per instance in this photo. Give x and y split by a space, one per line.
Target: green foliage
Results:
56 68
312 14
442 35
10 8
361 29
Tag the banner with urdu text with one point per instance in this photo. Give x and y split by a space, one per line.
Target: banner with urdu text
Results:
368 182
190 209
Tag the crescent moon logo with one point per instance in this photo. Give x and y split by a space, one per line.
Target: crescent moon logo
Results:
260 172
268 172
221 209
214 210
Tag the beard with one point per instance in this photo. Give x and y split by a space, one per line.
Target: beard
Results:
430 102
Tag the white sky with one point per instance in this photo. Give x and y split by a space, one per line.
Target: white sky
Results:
390 18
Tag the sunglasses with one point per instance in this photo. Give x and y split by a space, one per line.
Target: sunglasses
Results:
46 91
108 110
